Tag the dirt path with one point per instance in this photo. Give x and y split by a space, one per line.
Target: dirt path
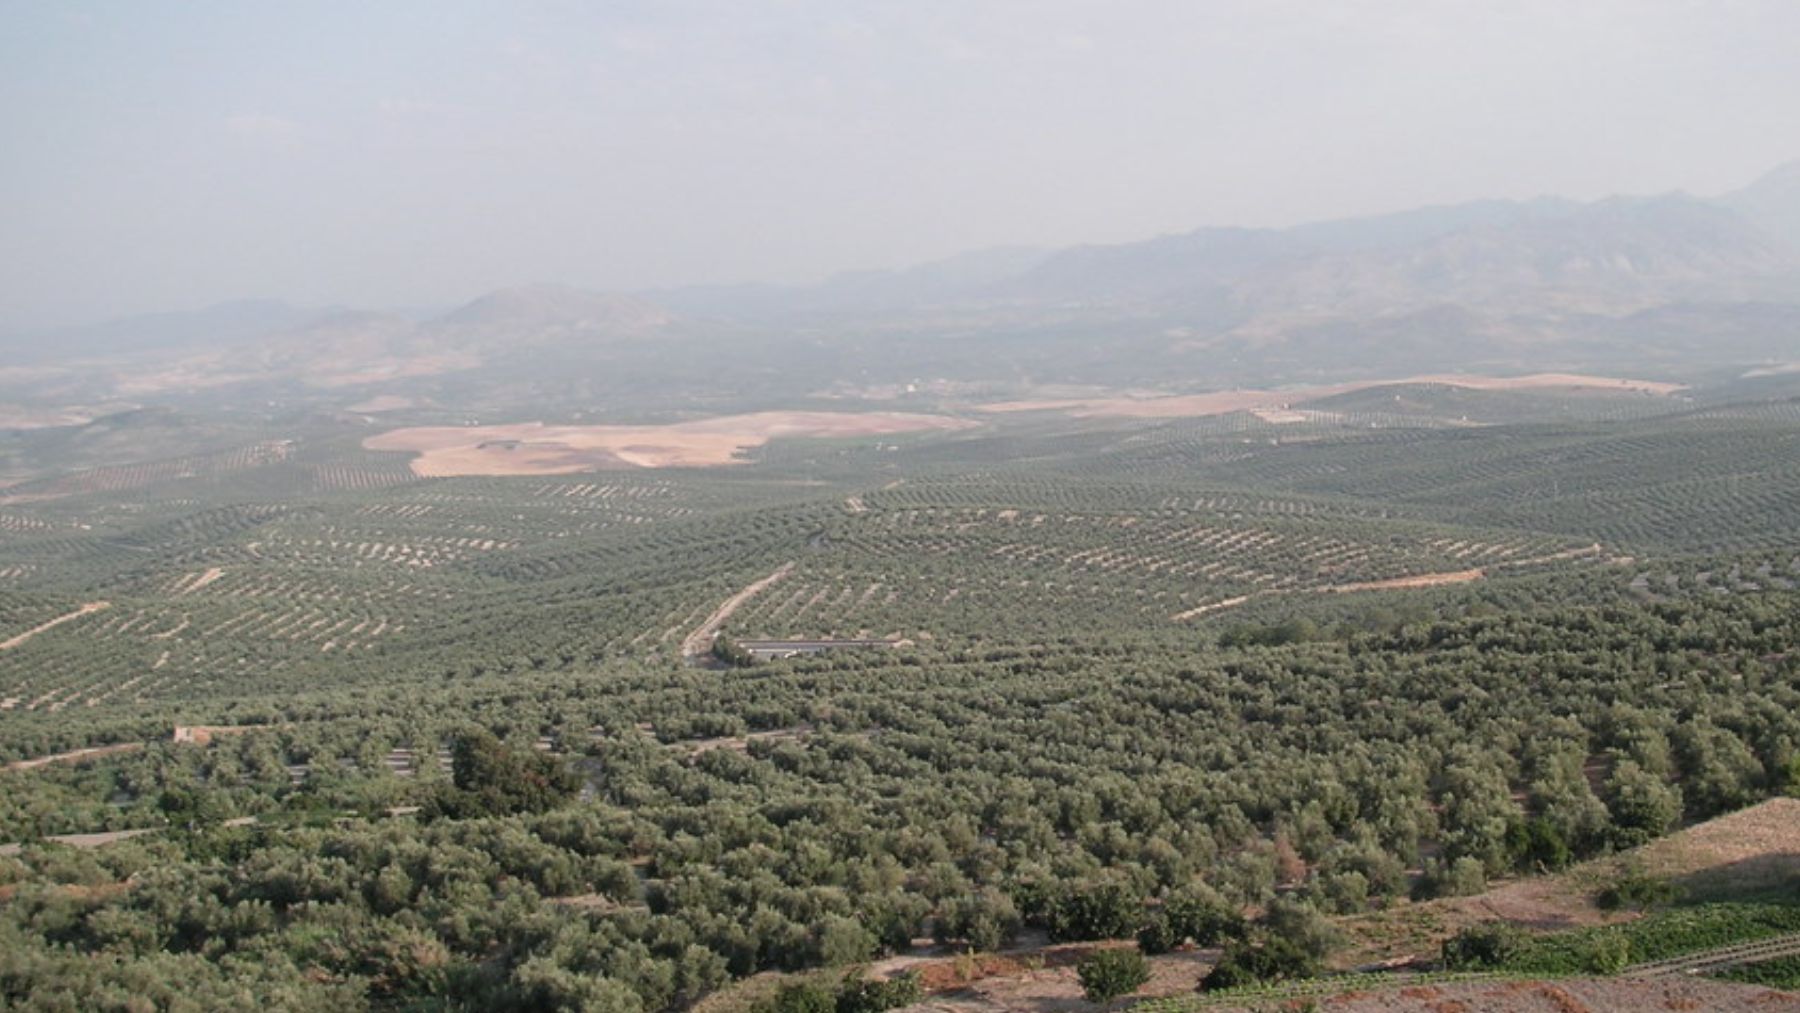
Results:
83 841
1195 613
211 574
1402 583
1595 549
103 838
75 754
90 607
700 641
1417 580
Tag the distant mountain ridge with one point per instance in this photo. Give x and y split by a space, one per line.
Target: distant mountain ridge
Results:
1548 282
561 306
1772 203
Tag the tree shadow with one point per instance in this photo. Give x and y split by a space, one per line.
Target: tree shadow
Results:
1772 876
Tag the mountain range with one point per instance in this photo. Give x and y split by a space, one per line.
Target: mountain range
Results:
1655 282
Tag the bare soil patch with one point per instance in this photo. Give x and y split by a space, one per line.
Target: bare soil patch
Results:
212 574
1043 980
23 417
1417 580
1280 416
533 448
1046 983
1595 995
381 403
1277 403
201 735
741 743
1217 606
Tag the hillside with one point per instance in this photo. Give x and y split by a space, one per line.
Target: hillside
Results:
1772 203
1668 283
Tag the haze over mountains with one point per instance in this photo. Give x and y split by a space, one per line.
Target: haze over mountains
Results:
1653 283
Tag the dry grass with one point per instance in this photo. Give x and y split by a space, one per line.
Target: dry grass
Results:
533 448
1744 852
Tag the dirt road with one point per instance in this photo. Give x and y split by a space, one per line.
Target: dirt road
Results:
90 607
75 755
700 641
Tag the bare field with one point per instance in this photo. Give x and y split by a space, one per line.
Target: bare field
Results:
21 417
1057 990
1279 401
382 403
533 448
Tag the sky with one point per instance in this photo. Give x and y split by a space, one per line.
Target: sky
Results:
162 155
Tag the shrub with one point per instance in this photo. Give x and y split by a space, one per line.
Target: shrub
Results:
985 920
731 653
1536 845
1158 935
800 997
1107 974
879 996
1636 890
490 778
1275 959
1490 944
1200 914
1462 878
1095 911
1607 954
1302 926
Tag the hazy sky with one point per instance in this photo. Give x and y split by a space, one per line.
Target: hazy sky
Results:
161 155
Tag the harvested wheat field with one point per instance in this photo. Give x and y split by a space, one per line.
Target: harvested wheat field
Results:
533 448
1278 402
